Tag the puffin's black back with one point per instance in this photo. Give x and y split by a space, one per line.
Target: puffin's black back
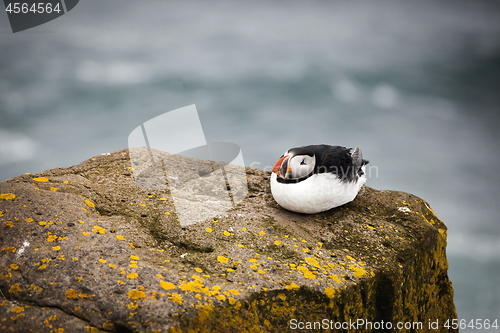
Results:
333 159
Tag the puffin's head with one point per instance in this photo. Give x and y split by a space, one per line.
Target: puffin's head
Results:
295 164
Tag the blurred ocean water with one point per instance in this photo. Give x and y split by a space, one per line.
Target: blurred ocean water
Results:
414 84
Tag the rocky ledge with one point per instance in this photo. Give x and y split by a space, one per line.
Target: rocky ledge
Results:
84 249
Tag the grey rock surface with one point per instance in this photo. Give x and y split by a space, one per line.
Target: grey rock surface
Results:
85 249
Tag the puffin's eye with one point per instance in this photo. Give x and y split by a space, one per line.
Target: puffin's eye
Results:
303 163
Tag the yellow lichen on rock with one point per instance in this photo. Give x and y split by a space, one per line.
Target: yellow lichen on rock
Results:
359 272
167 285
136 294
71 294
222 259
90 203
14 289
330 292
195 286
17 309
7 196
97 229
312 262
51 238
177 298
41 179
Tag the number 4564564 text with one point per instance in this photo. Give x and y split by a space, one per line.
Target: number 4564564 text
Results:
36 8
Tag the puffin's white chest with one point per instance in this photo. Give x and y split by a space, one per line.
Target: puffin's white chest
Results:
318 193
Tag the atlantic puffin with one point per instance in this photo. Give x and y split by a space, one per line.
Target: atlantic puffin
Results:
316 178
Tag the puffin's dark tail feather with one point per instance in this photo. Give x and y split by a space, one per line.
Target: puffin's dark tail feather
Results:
357 158
358 161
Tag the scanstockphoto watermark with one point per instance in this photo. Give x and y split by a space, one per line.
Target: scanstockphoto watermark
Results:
204 179
359 324
370 171
364 324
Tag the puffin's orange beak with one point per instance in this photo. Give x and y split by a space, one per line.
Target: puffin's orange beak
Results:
277 166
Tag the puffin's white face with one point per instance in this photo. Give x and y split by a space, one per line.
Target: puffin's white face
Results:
295 165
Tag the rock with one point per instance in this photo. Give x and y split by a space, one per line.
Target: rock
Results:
84 249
